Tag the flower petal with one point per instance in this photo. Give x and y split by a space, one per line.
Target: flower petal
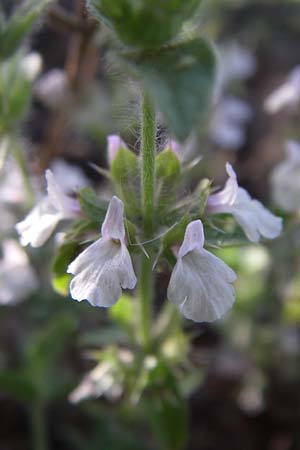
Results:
56 195
227 196
38 226
201 286
255 219
113 225
100 272
193 238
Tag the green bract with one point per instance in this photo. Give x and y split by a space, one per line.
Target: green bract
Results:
145 23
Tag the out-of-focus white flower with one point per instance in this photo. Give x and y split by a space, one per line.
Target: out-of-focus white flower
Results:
105 267
235 63
104 380
12 185
114 143
250 214
201 283
286 95
53 89
17 278
231 114
227 127
69 176
31 66
285 179
40 223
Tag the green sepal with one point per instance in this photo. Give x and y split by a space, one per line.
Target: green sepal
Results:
93 207
175 235
126 177
179 79
65 255
167 166
144 23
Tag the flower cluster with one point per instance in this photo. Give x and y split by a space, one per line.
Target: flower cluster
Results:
201 284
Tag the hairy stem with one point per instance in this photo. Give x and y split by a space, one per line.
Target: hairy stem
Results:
148 163
148 186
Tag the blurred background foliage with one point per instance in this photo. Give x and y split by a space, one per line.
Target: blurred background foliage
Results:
244 388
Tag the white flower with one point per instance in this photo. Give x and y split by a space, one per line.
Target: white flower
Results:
235 62
69 176
53 89
105 267
31 66
201 283
285 179
250 214
40 223
17 279
286 95
114 143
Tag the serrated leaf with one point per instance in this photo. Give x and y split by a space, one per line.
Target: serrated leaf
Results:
144 23
179 79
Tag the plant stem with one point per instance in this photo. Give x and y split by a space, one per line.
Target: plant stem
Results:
21 162
146 290
148 163
39 435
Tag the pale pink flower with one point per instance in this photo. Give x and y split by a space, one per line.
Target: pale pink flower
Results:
105 267
201 283
41 222
250 214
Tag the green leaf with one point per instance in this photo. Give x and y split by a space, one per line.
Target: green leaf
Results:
144 23
94 208
15 30
61 279
180 80
123 312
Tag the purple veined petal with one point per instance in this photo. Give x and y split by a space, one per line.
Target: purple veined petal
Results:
255 219
113 225
101 272
114 143
201 285
193 238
